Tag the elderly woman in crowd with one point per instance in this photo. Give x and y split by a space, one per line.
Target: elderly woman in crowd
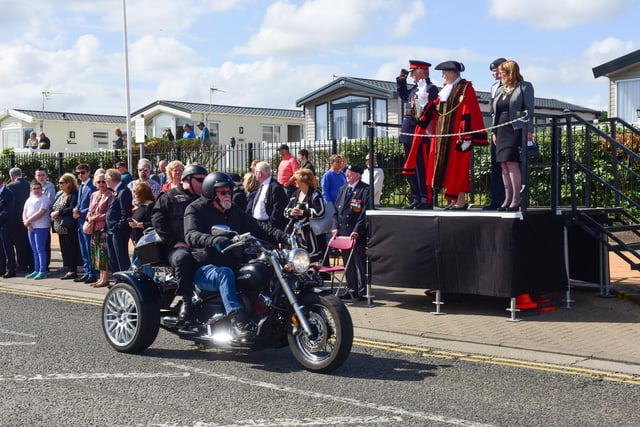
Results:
95 224
66 225
305 203
37 222
174 175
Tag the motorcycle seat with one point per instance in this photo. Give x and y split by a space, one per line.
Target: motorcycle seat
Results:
205 295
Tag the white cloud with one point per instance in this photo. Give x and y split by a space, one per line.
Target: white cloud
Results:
302 31
557 14
408 18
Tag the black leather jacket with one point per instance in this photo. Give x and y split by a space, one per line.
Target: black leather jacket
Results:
168 215
205 246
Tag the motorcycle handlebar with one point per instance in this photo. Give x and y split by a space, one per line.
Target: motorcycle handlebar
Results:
238 240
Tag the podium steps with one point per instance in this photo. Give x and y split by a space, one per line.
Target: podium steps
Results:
617 228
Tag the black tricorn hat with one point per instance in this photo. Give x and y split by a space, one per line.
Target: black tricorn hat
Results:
450 66
496 63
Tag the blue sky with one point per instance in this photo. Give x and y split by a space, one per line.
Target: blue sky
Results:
271 53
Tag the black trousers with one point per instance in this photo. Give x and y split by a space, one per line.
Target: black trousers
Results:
7 253
70 249
184 267
355 273
497 185
24 254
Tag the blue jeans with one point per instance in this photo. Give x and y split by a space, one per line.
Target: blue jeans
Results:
38 242
221 279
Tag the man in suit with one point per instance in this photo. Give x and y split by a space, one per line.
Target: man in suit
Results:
80 213
7 222
349 219
271 200
21 190
118 231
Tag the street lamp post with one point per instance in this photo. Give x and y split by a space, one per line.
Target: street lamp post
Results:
126 84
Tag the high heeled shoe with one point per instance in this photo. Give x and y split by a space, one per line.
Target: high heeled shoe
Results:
503 208
515 208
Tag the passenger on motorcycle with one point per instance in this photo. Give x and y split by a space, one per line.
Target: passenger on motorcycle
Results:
216 272
168 220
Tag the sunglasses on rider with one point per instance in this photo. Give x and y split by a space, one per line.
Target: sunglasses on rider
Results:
224 192
200 179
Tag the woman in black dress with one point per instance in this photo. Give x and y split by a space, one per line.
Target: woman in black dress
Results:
66 226
512 99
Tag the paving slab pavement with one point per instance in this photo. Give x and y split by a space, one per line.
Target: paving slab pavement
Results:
596 332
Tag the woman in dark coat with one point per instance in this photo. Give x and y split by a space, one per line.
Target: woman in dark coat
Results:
66 226
513 97
141 219
305 203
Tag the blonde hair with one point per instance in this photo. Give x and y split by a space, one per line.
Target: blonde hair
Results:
250 182
72 183
305 176
171 166
512 69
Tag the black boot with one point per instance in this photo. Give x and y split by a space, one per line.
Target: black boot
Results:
186 311
184 317
242 328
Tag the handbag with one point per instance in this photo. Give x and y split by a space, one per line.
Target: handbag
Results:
64 224
323 224
87 227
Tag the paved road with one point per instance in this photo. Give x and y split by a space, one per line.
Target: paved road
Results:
59 370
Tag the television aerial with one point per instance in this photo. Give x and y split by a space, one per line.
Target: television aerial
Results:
46 95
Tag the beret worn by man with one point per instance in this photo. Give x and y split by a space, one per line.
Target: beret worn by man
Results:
496 63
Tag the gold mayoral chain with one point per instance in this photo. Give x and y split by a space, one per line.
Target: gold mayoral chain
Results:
506 91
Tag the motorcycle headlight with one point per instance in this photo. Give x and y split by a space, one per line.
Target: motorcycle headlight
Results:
299 260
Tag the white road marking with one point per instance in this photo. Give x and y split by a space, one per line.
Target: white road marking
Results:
277 422
21 334
347 401
7 344
93 376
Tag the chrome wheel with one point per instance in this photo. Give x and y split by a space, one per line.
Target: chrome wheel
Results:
129 325
329 344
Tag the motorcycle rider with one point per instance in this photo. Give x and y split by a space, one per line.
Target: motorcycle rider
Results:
215 207
167 218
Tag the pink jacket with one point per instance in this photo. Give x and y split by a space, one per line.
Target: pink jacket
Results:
98 209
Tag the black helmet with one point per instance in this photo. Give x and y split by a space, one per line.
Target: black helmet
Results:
193 170
215 180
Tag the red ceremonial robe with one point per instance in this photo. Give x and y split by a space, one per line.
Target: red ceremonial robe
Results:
425 126
448 166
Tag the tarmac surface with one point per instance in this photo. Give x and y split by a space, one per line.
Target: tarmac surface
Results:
596 332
